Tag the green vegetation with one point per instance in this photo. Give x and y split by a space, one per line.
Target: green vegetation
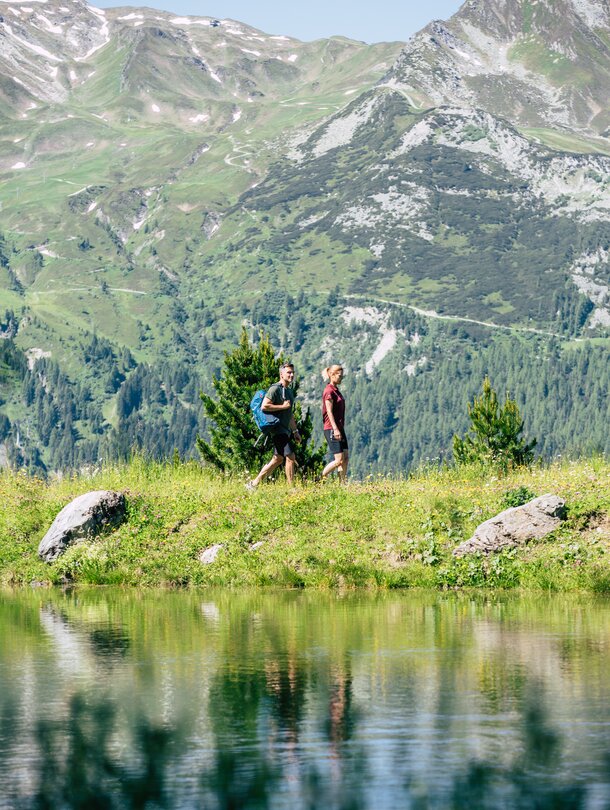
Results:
399 414
495 434
125 279
382 533
236 443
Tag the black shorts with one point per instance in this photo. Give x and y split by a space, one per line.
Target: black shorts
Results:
335 445
282 445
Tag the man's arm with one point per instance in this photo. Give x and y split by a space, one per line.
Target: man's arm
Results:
269 407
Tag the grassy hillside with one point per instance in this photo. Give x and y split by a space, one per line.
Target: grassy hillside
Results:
382 533
165 180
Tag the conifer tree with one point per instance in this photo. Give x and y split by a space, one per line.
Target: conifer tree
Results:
234 437
495 433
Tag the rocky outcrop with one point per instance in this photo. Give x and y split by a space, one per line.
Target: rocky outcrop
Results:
209 554
515 526
83 519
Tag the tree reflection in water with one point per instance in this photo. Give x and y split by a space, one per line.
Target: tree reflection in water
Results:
301 702
79 765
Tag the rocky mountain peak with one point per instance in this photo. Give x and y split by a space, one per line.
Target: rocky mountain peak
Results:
501 18
509 18
538 63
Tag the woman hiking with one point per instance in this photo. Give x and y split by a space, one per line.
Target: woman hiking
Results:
333 413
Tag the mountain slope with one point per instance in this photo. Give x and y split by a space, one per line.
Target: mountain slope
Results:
538 63
166 179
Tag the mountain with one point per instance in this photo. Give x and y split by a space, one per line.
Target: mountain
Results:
540 64
401 206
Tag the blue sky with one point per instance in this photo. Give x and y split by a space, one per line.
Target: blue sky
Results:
383 20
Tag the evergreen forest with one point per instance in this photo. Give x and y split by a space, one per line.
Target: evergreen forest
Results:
401 412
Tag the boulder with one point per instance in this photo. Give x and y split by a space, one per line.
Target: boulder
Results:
209 555
83 519
515 526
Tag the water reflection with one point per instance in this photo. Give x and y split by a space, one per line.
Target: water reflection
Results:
303 700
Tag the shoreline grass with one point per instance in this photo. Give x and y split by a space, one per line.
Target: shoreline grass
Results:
378 534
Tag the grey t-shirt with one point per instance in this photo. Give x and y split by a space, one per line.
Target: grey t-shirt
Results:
278 394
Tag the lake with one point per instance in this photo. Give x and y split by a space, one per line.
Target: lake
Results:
230 699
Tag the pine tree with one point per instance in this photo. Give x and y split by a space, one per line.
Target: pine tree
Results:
234 437
495 433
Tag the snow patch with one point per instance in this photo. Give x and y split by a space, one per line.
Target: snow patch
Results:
247 50
155 108
293 57
189 21
29 45
236 115
55 29
19 165
197 119
92 207
104 33
131 17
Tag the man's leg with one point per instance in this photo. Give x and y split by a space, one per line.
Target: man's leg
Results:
269 467
291 464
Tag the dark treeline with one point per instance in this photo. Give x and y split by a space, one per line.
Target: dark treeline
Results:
398 420
400 414
59 423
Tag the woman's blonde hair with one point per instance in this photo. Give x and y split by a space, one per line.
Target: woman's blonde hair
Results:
330 370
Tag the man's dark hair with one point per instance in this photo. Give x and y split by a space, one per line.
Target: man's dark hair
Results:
286 365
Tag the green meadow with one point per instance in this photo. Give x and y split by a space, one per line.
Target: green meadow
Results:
380 533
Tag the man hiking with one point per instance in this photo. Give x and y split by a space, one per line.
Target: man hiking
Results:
279 401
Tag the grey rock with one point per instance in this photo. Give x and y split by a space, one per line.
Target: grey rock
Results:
257 545
83 519
515 526
209 555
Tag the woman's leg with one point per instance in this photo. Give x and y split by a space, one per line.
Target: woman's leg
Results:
343 467
335 464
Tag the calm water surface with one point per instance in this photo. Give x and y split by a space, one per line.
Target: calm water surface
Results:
284 699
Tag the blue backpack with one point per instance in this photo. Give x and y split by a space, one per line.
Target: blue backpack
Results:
266 422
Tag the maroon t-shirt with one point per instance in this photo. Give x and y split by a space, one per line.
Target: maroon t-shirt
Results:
333 395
